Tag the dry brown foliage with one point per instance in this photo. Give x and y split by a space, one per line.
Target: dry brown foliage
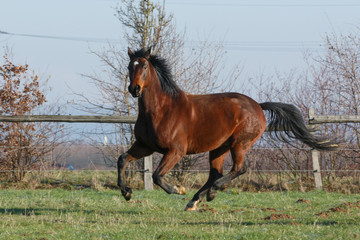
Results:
22 145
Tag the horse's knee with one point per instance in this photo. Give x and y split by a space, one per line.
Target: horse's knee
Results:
122 160
121 165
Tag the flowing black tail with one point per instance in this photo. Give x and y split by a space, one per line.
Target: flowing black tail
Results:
286 122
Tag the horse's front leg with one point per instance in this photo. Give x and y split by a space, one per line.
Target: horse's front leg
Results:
167 163
137 151
121 164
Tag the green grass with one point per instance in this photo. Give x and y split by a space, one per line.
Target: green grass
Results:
90 214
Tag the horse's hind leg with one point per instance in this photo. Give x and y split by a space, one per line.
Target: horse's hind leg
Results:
216 158
167 163
135 152
238 155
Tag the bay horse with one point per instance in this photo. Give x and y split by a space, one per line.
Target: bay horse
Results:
175 123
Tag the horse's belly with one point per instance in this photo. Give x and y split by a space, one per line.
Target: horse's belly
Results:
208 141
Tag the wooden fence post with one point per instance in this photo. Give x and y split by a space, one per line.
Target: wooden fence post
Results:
315 157
148 171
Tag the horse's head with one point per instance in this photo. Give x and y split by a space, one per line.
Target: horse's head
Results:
138 72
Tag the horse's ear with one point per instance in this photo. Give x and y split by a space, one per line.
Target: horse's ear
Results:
148 53
130 53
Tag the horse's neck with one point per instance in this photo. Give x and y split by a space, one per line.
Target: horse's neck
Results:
153 99
154 102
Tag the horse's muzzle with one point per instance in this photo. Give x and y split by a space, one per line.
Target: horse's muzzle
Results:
135 91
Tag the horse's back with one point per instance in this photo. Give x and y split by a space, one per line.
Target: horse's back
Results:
231 106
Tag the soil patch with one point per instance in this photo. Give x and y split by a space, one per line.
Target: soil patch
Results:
301 200
278 217
206 208
323 215
352 205
337 209
269 209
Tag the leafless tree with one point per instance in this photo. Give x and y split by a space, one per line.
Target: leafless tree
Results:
331 85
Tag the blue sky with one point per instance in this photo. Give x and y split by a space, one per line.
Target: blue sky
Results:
258 34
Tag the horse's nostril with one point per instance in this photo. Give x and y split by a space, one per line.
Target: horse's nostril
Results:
135 91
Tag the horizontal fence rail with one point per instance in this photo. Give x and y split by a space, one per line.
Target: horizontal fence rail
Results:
334 119
313 119
318 119
69 118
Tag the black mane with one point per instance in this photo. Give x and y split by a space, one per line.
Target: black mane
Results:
163 71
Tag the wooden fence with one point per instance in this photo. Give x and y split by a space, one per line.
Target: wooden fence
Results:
321 119
313 121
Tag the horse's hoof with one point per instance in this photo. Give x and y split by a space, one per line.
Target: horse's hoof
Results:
127 193
128 196
191 206
180 190
211 194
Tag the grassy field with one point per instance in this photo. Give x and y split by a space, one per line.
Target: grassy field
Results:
90 214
